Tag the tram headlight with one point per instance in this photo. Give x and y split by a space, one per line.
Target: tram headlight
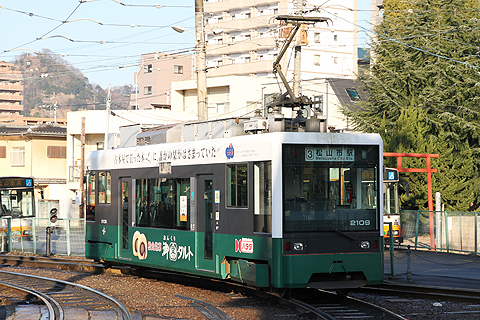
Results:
395 232
365 244
298 246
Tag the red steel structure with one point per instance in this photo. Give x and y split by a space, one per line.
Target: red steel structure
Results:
429 172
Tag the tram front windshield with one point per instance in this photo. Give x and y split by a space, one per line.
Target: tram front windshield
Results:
17 203
328 188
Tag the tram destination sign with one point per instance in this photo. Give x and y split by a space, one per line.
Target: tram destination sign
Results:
16 182
330 153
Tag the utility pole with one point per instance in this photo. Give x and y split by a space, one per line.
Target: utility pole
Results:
82 170
107 124
297 72
201 61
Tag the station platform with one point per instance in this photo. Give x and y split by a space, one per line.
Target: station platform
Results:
432 268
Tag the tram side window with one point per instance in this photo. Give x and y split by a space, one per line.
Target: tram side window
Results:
163 203
237 185
104 187
262 176
90 214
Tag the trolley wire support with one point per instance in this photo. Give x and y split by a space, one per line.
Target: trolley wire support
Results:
292 101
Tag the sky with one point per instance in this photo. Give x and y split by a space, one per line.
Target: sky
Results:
104 39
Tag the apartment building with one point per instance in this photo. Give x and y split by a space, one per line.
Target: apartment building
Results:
11 89
152 80
244 38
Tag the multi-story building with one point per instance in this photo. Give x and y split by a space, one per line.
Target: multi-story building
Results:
11 89
244 38
37 151
152 81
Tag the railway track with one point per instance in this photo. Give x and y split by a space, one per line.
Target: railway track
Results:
327 305
312 303
468 295
64 299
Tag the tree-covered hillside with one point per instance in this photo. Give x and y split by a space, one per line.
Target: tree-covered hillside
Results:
50 80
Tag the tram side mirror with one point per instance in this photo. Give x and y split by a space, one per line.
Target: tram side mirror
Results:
53 215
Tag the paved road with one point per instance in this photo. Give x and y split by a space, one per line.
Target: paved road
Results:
435 269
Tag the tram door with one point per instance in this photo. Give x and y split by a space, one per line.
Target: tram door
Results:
124 214
205 220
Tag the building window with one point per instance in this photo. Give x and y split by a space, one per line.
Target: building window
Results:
316 59
335 60
352 94
17 157
318 103
247 60
57 152
3 152
147 90
335 37
148 68
237 185
178 69
316 36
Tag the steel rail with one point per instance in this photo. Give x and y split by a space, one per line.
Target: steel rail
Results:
431 291
328 305
124 313
49 302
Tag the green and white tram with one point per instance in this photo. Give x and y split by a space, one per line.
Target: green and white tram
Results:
274 209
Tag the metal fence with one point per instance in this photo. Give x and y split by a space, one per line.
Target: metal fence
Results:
29 235
452 231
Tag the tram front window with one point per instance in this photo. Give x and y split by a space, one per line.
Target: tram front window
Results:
17 203
330 188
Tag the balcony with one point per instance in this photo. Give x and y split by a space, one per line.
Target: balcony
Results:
11 87
246 24
74 174
10 97
219 6
11 107
254 44
245 68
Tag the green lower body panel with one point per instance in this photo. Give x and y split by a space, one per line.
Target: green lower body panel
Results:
333 271
99 251
254 274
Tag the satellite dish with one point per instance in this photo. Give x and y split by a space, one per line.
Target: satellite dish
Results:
157 55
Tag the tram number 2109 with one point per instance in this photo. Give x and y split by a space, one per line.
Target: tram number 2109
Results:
360 222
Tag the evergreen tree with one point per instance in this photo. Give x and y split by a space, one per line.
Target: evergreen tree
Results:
423 94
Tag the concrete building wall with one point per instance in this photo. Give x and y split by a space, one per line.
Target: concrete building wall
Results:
154 76
227 96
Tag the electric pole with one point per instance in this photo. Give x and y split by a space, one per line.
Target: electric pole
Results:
297 72
201 61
